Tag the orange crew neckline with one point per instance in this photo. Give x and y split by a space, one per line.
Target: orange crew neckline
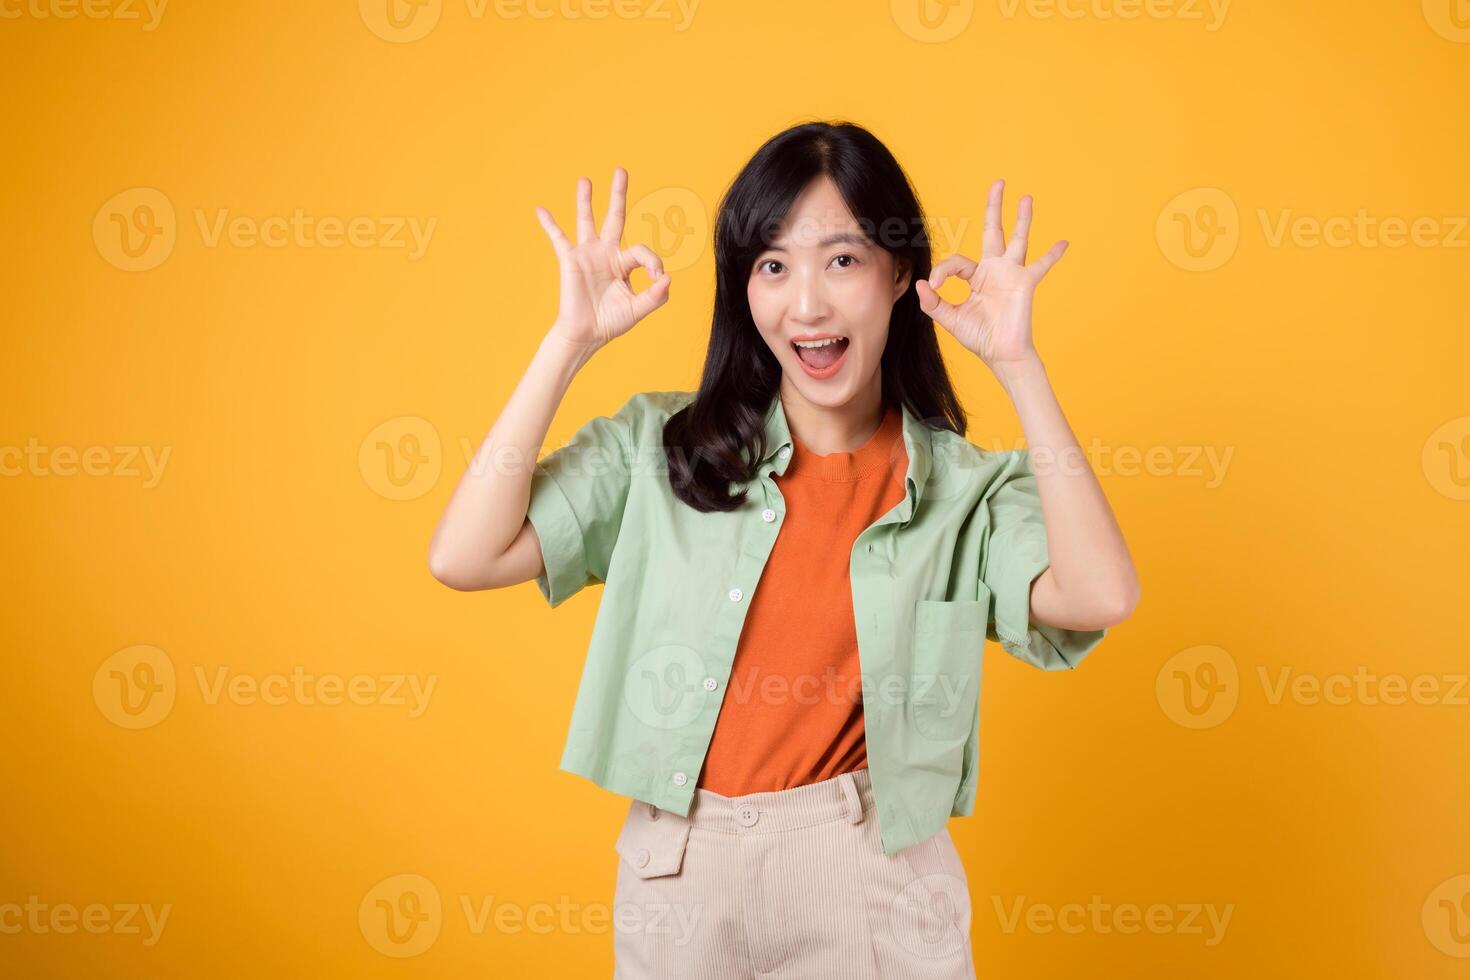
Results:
872 457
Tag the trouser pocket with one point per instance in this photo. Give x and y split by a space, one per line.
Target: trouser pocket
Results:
919 908
656 905
652 842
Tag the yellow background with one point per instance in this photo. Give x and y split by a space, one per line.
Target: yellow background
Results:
1333 542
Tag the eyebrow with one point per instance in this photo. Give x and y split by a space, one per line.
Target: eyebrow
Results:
841 238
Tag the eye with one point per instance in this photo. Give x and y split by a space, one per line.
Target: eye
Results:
767 262
846 255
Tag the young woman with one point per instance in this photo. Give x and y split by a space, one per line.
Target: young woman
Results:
802 560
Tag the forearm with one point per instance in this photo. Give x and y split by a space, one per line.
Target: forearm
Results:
488 507
1091 581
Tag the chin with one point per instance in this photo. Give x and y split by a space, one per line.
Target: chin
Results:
833 392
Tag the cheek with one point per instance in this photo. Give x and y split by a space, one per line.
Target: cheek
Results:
868 304
765 311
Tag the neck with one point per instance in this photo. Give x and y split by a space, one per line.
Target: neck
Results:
832 429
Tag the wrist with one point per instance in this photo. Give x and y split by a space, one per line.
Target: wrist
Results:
1017 374
572 353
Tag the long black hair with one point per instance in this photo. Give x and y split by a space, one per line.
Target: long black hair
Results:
719 438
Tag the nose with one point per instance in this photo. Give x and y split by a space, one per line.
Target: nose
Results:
811 299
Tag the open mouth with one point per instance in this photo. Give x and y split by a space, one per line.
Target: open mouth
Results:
820 356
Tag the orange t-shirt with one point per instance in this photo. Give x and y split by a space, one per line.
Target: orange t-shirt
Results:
793 708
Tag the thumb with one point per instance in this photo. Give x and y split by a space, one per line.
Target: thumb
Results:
654 296
940 311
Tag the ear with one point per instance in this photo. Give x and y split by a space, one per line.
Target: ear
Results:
901 270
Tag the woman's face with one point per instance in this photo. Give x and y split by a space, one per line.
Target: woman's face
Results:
824 279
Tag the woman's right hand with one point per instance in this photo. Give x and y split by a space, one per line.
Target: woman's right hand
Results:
597 300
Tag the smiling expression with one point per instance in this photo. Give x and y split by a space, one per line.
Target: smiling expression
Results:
822 295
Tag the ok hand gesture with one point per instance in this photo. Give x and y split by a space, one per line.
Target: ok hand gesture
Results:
994 321
597 300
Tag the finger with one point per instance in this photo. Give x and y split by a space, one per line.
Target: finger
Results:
640 254
553 231
1048 260
992 241
956 265
651 298
941 312
617 199
586 230
1016 249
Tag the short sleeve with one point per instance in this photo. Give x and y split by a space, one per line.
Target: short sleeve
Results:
1015 554
578 494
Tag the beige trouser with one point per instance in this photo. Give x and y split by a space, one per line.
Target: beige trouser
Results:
791 884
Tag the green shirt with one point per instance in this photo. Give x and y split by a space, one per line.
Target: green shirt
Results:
948 567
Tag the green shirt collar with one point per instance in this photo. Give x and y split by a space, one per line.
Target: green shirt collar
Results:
917 441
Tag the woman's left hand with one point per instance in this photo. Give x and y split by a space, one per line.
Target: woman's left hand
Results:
994 321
